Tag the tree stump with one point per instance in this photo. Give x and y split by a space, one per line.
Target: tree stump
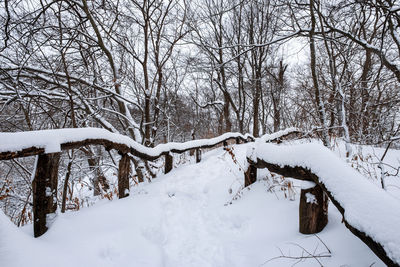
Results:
124 170
250 176
198 155
44 186
168 163
313 210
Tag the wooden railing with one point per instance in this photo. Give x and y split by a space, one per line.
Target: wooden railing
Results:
313 215
47 145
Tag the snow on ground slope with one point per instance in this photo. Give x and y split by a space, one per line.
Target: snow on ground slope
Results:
188 217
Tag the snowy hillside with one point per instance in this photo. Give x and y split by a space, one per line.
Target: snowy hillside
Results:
192 216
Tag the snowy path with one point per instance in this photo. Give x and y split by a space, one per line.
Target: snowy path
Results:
181 220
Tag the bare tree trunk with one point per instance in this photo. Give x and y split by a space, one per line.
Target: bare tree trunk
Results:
318 98
66 181
228 123
277 96
99 178
338 91
256 105
364 112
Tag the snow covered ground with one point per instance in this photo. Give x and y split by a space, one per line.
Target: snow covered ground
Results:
193 216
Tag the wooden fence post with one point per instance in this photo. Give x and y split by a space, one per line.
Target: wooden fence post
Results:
198 155
124 170
169 160
313 210
250 176
44 187
225 145
192 151
139 166
237 140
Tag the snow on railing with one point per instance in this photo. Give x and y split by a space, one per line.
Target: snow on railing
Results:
22 144
368 211
31 143
280 134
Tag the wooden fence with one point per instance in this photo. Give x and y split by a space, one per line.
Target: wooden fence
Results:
45 179
313 218
313 213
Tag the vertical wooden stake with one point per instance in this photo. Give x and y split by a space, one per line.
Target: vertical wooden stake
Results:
198 155
313 210
237 140
168 163
225 145
44 187
250 176
192 151
139 167
124 170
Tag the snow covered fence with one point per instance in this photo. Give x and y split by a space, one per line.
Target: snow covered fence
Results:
283 134
23 144
368 211
48 144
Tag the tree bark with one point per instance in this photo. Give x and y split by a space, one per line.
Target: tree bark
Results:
44 187
256 104
65 187
124 170
318 97
250 176
168 163
198 155
99 177
313 210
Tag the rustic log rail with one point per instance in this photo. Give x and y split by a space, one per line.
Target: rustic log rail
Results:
25 144
48 144
58 140
379 245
